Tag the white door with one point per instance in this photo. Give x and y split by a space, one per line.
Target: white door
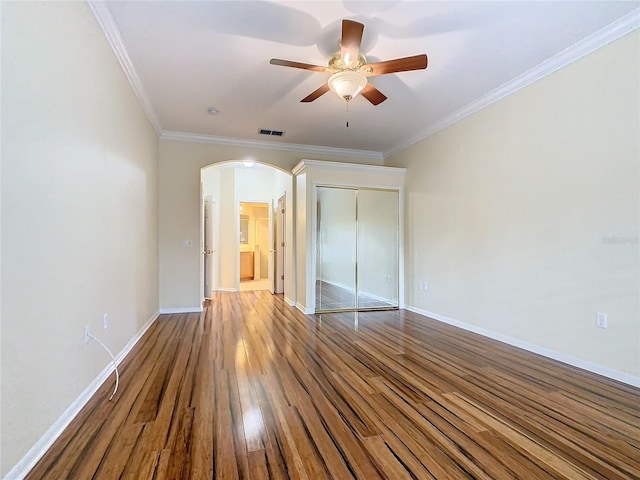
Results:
263 247
271 250
209 257
279 243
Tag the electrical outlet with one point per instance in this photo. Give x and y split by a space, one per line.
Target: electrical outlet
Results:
105 321
425 286
601 320
86 334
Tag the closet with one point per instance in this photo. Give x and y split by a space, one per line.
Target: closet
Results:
349 223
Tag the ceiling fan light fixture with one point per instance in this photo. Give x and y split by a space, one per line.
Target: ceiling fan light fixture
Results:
347 84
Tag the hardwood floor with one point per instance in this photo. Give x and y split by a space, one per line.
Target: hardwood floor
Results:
253 389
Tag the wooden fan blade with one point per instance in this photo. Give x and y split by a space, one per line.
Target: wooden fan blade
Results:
372 94
351 40
316 93
417 62
303 66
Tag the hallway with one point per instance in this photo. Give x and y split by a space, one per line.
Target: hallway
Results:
251 285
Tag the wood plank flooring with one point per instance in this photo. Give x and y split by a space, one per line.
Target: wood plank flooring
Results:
253 389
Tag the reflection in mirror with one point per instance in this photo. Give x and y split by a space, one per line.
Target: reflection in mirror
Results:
244 229
377 249
357 249
335 249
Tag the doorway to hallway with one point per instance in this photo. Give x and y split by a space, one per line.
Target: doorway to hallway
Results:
236 234
256 246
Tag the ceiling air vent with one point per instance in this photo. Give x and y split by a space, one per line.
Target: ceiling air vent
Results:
275 133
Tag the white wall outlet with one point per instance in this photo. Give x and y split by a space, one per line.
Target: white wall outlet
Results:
601 320
105 321
187 243
86 334
425 286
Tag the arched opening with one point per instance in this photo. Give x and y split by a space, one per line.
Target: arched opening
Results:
246 228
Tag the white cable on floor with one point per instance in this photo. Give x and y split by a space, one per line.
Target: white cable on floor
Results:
115 365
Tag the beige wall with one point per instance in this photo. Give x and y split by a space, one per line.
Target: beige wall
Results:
180 165
511 213
79 213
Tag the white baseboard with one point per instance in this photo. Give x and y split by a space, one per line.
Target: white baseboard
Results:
545 352
305 310
225 289
35 453
181 310
290 302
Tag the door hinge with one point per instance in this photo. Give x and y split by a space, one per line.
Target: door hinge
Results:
282 211
281 277
282 244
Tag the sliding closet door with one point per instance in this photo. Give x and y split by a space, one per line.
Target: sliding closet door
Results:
378 249
336 249
357 251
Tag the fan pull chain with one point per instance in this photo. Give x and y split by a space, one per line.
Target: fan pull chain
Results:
347 114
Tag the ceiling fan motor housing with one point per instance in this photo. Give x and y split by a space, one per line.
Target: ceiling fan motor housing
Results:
336 62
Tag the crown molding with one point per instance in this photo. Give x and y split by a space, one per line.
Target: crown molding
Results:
354 167
293 147
593 42
110 30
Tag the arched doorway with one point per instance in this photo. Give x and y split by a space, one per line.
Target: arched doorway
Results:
241 244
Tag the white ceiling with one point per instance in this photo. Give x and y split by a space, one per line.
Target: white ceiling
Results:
187 56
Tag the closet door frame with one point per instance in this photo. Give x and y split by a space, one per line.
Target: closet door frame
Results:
313 223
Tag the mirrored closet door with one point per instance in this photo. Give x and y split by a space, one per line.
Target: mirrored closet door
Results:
357 249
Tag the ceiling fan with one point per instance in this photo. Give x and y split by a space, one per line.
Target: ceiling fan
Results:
350 70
